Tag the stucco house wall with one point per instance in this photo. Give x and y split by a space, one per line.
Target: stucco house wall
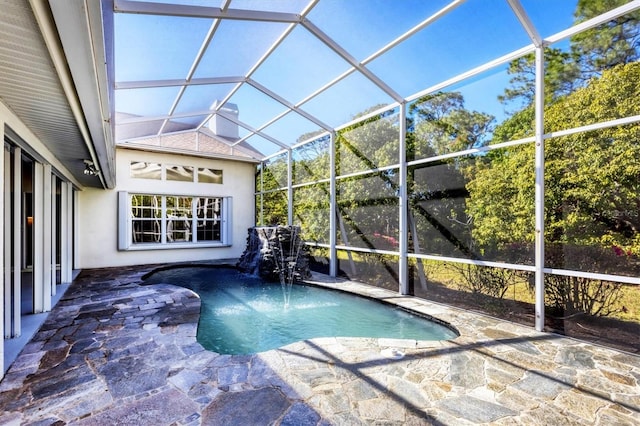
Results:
97 221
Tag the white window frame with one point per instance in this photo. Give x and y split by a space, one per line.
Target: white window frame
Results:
125 221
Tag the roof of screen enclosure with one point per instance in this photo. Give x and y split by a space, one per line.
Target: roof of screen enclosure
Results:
258 75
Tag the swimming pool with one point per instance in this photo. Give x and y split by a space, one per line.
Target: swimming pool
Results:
241 314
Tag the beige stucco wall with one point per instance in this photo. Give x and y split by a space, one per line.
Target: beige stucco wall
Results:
98 211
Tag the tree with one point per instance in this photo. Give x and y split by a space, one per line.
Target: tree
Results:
611 44
592 179
440 124
561 78
368 204
311 160
590 53
270 178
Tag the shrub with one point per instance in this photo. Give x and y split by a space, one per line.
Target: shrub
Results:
486 280
576 295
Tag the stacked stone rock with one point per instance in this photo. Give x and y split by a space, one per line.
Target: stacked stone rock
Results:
270 249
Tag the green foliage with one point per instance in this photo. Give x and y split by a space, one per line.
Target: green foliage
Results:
375 269
274 208
484 280
575 295
311 161
367 204
369 144
271 207
592 179
609 45
309 135
482 205
274 173
560 78
441 124
590 54
501 201
519 126
437 194
593 189
311 211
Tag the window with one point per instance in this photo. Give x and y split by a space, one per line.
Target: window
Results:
208 219
145 170
146 216
179 217
209 175
171 172
164 221
180 173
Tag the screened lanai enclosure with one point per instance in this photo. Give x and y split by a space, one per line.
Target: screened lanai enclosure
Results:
482 153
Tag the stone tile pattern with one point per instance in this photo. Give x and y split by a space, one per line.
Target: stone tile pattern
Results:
116 352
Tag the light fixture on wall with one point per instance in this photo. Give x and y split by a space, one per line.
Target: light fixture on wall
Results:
90 168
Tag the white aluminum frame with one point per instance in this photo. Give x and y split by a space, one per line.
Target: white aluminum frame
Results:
333 211
54 234
539 190
537 47
5 231
48 281
16 265
403 208
66 232
38 238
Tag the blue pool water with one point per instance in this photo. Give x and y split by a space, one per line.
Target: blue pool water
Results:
242 314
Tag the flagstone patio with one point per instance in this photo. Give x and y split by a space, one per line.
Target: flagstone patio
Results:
114 351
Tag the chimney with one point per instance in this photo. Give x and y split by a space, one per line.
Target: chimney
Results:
220 126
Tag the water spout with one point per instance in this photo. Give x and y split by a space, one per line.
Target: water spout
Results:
276 253
286 249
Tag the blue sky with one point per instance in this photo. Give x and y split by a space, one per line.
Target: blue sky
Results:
162 47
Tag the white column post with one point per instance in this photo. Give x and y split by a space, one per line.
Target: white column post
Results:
66 232
47 219
262 193
74 254
539 189
54 233
38 237
333 208
63 232
6 240
403 204
290 187
16 325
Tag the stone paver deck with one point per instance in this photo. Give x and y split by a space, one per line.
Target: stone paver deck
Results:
114 352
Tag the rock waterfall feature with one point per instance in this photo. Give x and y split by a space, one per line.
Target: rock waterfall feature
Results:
276 253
